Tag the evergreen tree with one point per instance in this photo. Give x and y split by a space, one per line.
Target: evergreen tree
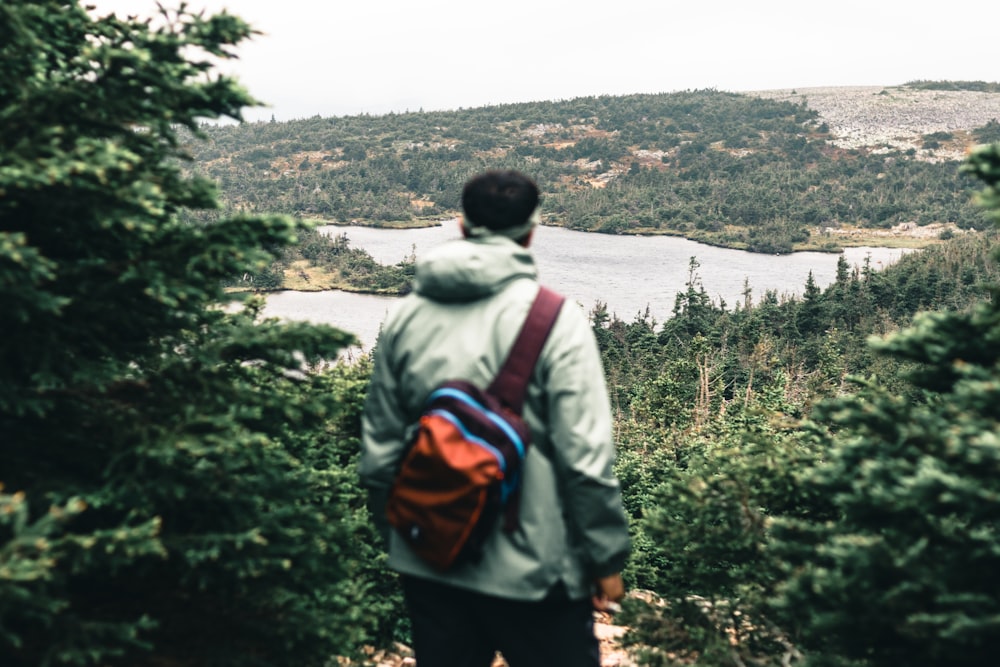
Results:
866 536
161 503
810 316
693 311
907 570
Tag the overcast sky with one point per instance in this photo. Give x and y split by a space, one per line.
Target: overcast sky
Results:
341 57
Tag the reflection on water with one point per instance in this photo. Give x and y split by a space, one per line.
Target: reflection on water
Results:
628 273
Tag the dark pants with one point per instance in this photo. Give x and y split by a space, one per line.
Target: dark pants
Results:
458 628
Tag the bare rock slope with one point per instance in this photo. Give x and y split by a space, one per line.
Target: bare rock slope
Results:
897 116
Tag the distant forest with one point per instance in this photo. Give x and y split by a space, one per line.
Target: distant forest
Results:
717 167
979 86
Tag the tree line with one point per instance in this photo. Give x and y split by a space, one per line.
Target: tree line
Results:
717 167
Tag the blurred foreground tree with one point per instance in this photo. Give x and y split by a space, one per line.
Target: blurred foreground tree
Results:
158 501
908 571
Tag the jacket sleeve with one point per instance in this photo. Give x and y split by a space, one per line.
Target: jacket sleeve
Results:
383 441
580 438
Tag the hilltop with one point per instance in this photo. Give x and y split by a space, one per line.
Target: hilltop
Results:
897 117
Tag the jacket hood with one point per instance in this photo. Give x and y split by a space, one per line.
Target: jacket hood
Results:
470 269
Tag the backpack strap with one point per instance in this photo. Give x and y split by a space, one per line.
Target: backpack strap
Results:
512 380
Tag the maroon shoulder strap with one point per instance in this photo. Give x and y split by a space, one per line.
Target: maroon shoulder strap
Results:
512 380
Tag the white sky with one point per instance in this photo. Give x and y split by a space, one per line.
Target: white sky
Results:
342 57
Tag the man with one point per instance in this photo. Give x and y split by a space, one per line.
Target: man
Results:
532 593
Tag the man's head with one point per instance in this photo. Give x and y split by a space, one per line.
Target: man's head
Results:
500 202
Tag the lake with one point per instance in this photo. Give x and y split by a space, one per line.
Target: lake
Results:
628 273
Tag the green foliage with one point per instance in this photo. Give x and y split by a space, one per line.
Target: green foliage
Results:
340 266
982 163
862 536
905 573
727 169
175 489
371 589
701 532
989 133
978 86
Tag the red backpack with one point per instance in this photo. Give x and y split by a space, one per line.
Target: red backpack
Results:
464 464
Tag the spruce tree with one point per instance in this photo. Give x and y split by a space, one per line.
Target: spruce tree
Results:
906 572
161 503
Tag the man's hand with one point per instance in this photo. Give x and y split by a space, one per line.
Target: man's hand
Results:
608 592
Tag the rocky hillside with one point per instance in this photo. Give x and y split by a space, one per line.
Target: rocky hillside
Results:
897 118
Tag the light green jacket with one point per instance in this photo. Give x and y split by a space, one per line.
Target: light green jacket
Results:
469 301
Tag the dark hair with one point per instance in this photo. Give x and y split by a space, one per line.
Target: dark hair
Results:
499 199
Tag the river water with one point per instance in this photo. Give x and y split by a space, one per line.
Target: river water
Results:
628 273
